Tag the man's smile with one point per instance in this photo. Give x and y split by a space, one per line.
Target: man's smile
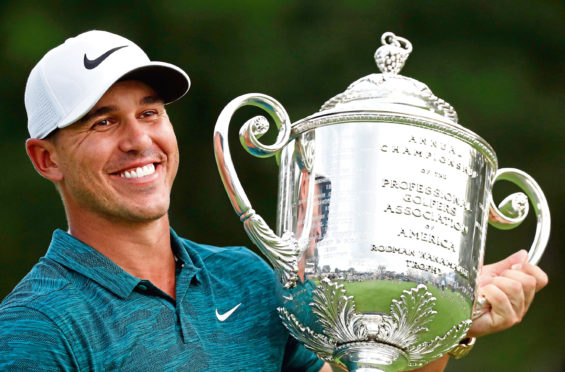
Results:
139 172
139 168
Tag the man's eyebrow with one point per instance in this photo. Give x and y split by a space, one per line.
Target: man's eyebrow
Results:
107 109
151 99
98 112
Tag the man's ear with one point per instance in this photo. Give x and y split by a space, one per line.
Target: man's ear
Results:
44 158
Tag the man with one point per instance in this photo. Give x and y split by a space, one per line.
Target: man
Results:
120 290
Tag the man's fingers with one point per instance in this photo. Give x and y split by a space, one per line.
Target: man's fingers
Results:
527 283
514 293
537 273
502 312
517 258
490 271
500 316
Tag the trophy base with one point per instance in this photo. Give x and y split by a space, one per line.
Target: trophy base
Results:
372 357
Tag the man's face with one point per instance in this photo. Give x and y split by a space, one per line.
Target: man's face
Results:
120 160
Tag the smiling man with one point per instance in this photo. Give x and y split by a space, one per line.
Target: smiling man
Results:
119 290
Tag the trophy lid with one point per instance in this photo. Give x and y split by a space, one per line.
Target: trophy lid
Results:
389 91
389 96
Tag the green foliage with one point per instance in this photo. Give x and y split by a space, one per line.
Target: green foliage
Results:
498 63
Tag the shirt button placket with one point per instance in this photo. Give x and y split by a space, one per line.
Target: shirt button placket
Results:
183 286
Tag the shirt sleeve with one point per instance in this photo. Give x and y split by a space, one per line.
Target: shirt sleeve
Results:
29 341
298 358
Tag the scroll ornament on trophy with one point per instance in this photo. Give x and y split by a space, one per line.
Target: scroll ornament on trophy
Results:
383 205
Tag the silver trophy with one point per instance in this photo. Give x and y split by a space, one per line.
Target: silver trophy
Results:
383 205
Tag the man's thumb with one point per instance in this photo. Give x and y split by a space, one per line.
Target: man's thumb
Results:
517 258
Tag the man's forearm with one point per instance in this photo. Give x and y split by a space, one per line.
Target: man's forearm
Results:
437 365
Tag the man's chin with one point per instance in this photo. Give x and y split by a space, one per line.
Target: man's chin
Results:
148 216
140 215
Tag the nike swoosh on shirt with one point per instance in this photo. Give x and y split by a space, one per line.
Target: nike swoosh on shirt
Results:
93 63
224 316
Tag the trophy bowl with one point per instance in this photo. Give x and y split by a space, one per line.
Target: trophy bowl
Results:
383 205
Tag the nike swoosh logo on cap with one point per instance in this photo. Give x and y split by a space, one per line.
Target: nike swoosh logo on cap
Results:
224 316
93 63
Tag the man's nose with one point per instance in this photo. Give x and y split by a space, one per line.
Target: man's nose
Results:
135 136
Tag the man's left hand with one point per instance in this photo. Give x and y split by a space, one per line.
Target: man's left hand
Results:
509 287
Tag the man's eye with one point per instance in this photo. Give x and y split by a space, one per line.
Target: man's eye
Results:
101 123
148 113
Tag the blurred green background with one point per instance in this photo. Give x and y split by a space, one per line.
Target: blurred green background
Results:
499 63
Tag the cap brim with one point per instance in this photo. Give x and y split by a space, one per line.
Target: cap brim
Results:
169 81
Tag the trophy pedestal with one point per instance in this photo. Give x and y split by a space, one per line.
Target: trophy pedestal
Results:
372 357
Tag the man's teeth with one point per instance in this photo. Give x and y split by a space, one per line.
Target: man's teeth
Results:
138 172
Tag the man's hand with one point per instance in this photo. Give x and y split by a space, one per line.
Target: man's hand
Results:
327 367
509 286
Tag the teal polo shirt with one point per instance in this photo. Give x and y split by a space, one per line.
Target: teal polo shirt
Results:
78 311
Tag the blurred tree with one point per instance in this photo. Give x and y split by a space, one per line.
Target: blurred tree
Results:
498 63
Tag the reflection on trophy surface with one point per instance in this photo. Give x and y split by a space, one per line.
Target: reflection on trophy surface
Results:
383 205
318 218
311 221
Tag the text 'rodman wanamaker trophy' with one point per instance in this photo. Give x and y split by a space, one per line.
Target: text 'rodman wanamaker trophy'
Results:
382 217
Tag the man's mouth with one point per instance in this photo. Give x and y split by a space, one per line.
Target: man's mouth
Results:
139 172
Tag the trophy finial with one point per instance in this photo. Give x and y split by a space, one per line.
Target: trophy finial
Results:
390 57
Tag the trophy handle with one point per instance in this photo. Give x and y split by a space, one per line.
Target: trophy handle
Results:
513 210
282 252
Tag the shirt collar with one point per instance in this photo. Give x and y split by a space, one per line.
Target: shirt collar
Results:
186 256
85 260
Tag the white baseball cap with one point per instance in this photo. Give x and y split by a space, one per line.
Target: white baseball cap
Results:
68 81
